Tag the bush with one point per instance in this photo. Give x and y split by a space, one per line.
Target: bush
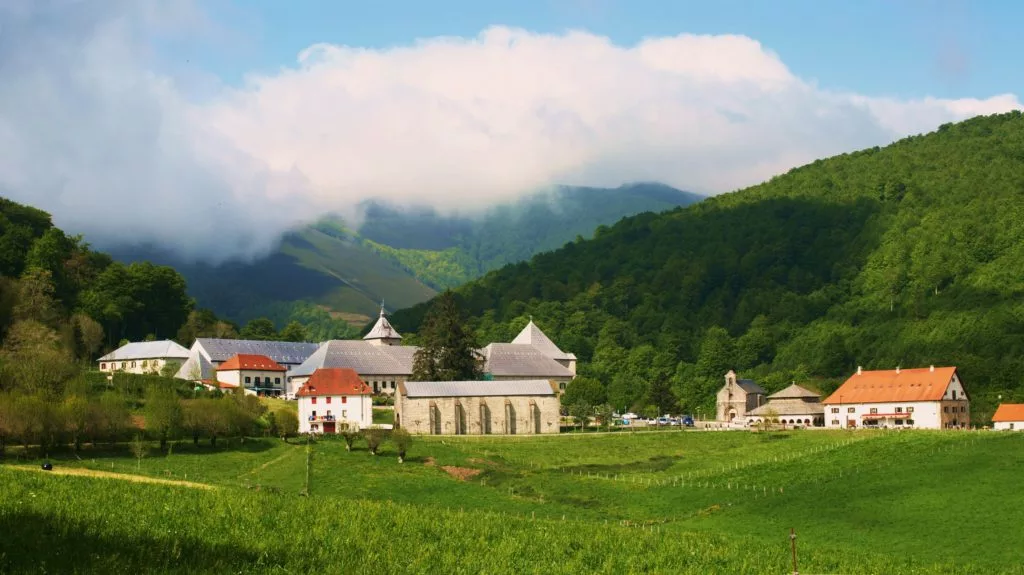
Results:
374 437
402 440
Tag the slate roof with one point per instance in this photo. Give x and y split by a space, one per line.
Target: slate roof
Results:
196 365
382 329
283 352
532 335
477 388
334 381
520 360
789 406
165 349
250 362
364 357
749 386
923 384
794 391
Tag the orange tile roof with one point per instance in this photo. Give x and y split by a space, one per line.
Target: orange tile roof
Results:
923 384
1009 412
334 381
249 361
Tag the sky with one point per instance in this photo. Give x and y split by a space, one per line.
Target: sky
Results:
210 127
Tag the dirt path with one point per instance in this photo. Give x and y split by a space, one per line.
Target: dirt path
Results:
263 466
110 475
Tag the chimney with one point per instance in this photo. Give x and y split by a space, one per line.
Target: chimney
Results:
931 368
860 370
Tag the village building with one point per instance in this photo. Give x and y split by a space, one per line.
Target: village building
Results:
1009 417
333 399
144 357
383 363
922 398
794 406
256 374
207 354
524 407
737 398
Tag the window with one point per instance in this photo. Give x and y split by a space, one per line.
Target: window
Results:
910 422
344 399
945 409
962 409
248 379
910 410
1011 426
851 410
133 364
899 422
899 410
328 399
145 363
344 413
123 365
561 386
835 421
874 410
392 385
835 410
103 366
313 400
954 394
277 380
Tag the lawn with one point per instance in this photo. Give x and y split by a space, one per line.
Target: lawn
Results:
700 502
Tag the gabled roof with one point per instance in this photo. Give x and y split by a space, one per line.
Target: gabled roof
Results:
789 406
165 349
250 362
283 352
362 356
520 360
1009 412
902 385
476 388
794 391
196 368
382 329
532 335
333 381
749 386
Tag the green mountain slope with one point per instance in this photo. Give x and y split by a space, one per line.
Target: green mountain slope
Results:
904 256
332 278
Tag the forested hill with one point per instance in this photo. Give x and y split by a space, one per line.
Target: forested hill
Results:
61 300
908 255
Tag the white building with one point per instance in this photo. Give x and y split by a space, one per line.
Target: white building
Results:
1009 417
209 353
331 397
143 357
258 374
925 398
795 405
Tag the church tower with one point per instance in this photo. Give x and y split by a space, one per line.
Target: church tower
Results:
382 332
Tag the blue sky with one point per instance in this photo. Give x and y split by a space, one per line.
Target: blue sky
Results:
905 48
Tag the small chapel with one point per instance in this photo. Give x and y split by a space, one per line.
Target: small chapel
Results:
738 398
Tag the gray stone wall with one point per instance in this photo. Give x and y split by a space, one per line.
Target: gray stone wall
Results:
518 415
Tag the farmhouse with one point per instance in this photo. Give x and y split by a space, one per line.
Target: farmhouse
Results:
208 353
143 357
257 374
738 398
332 399
925 398
478 407
795 405
1009 417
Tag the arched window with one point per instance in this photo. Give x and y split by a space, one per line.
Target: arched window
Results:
534 417
485 419
510 418
460 419
435 419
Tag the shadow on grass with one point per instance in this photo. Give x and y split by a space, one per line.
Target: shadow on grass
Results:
36 543
653 464
106 451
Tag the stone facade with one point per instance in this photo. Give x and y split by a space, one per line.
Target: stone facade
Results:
738 398
478 415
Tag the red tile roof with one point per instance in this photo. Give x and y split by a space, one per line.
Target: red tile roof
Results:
334 381
904 385
1009 412
250 362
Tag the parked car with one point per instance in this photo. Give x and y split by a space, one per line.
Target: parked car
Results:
688 420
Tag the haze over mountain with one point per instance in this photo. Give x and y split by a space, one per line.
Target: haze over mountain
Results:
114 119
911 255
328 273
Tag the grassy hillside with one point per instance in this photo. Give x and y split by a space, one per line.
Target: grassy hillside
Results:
907 255
331 277
681 502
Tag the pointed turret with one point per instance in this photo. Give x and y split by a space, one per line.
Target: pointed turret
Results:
532 335
382 332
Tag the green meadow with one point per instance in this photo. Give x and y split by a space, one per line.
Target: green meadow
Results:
672 502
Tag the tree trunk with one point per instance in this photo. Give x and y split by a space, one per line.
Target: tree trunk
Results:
163 441
195 438
78 443
213 441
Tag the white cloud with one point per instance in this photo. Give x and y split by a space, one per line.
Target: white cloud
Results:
95 133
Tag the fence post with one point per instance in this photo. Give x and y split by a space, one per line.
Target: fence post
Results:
792 544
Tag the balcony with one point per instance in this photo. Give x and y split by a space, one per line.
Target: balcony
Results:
321 418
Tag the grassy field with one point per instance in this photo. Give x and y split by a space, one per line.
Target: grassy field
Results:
679 502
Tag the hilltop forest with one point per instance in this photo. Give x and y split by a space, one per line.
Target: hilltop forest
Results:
908 255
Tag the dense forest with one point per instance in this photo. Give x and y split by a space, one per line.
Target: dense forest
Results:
908 255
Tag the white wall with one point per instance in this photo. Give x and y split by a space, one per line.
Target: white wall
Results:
1008 426
237 377
152 365
355 409
386 384
925 414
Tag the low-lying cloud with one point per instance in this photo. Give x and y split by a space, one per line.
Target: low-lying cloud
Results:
94 131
